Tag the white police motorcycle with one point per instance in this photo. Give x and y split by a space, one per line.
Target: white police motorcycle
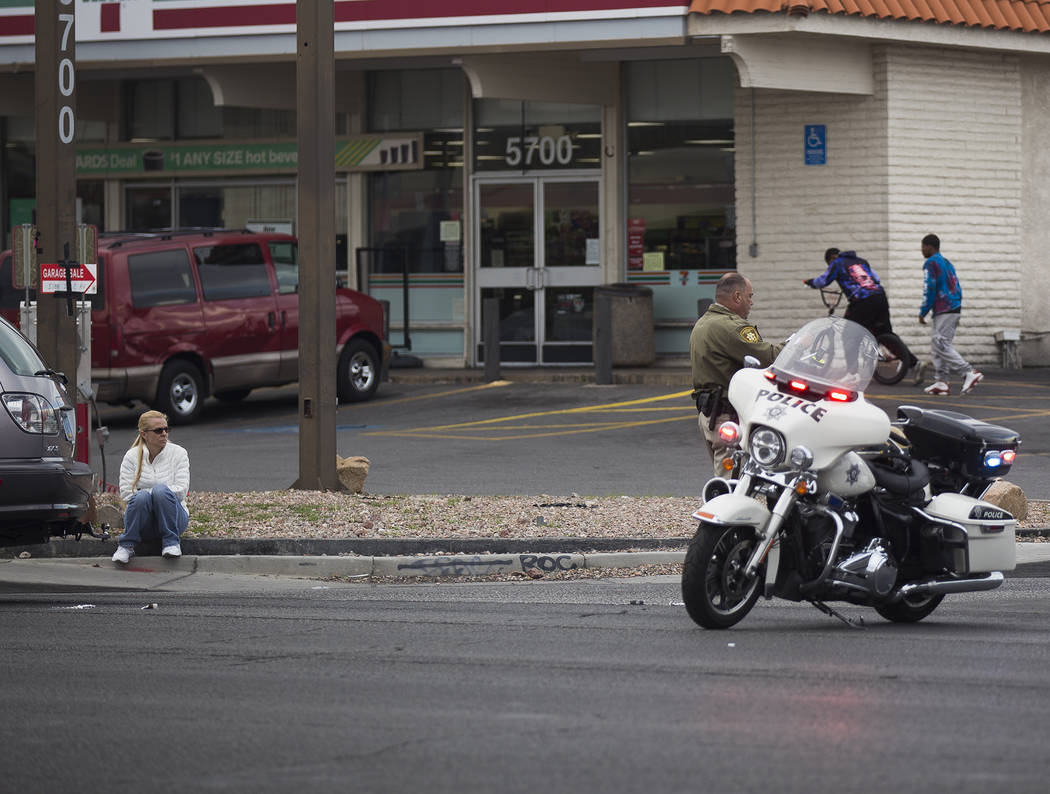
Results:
823 503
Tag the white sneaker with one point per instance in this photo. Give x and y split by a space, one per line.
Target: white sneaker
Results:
939 388
123 554
919 373
174 550
972 379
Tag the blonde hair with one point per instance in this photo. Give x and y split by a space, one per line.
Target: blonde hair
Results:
144 421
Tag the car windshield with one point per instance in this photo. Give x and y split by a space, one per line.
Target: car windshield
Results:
832 352
20 356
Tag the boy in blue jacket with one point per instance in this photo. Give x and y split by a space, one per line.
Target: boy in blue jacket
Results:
943 296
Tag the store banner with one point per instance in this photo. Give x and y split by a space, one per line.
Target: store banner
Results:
401 152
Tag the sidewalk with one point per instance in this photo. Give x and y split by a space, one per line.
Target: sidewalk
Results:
68 562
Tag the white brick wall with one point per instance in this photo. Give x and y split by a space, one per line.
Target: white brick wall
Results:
954 131
935 149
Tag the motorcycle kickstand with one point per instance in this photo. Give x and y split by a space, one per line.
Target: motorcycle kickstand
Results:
853 624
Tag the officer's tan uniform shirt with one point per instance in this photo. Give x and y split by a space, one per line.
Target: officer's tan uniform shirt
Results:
717 346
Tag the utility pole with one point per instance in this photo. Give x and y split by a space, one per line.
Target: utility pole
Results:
56 184
315 120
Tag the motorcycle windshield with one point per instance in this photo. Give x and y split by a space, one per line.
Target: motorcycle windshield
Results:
831 351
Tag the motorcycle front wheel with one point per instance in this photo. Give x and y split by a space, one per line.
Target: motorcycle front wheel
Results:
716 592
910 610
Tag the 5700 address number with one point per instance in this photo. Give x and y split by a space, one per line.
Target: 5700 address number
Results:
534 148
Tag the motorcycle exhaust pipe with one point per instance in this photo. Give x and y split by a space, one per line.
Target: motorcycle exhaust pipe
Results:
944 587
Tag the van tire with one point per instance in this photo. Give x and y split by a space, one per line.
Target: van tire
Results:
358 375
180 393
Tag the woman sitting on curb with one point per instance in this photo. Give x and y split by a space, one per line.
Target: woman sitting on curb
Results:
154 480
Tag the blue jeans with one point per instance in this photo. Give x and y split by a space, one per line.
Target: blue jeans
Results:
151 514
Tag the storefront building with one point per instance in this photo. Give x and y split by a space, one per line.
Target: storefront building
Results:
533 151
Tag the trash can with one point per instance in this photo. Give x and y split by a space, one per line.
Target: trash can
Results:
632 323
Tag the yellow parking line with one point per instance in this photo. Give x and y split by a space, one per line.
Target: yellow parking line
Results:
494 385
626 405
424 432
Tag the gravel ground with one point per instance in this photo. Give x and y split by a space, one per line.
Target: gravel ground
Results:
316 514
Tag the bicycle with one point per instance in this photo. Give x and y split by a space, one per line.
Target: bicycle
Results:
894 356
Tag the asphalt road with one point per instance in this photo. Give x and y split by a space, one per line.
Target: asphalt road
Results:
566 686
532 438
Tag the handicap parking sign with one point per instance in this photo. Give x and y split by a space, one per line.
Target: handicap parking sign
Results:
815 144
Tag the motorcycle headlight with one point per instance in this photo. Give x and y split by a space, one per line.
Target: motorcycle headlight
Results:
766 446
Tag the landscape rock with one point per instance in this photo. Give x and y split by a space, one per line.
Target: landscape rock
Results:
1009 497
352 472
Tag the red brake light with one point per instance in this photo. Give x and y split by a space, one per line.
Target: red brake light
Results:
769 375
841 396
798 385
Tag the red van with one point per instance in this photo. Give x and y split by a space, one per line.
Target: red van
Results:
183 315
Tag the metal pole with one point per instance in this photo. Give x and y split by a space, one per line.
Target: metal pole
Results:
315 115
603 338
490 323
56 187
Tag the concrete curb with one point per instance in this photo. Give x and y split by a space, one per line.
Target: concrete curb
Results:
1033 559
309 567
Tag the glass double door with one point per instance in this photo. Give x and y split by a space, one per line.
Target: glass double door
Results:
538 251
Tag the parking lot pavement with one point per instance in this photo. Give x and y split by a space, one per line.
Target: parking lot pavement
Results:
537 431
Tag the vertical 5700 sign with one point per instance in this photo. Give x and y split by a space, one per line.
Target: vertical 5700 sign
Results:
66 77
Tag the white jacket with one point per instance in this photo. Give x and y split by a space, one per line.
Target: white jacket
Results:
171 467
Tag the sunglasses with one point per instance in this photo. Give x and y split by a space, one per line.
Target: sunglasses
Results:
157 430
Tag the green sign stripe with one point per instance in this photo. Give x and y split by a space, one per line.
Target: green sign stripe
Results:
356 151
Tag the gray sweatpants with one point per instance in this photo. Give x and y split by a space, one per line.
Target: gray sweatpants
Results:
946 359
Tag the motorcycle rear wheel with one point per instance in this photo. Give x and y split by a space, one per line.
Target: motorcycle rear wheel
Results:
716 593
910 610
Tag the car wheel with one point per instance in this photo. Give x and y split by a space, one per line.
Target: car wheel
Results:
358 376
181 392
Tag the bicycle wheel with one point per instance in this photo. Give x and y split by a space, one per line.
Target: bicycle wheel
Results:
894 359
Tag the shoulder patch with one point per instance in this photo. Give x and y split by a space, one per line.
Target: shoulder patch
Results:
750 334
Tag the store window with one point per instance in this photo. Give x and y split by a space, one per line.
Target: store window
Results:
415 217
535 136
680 165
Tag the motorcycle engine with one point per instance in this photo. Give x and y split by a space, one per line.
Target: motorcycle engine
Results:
872 571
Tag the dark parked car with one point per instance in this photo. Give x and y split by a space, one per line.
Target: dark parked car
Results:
181 315
43 490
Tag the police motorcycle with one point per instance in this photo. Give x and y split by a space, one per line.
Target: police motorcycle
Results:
831 502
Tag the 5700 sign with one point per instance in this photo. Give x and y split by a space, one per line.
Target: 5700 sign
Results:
535 149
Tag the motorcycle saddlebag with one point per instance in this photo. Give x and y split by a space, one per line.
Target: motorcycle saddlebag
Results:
986 542
956 441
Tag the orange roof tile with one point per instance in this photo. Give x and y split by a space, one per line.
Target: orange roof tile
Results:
1025 16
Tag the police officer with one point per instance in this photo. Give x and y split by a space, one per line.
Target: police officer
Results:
717 346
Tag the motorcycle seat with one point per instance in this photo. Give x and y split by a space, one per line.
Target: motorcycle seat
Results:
899 474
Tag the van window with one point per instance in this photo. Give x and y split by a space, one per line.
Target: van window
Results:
232 271
285 256
161 278
9 296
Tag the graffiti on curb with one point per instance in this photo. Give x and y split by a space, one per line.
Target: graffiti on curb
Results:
479 565
547 563
456 566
